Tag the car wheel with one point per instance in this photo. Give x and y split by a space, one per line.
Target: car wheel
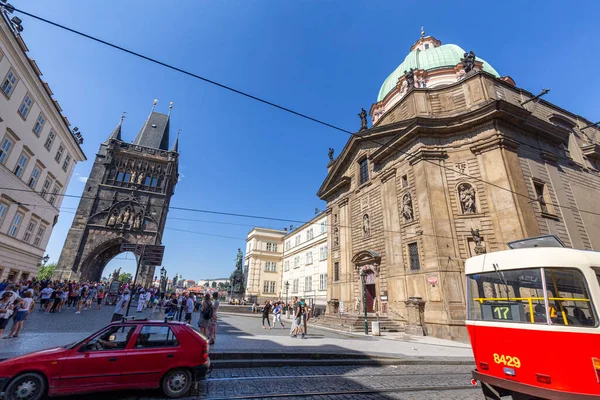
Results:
28 386
177 382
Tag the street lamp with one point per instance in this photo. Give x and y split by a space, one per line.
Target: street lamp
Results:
363 277
287 288
163 281
45 259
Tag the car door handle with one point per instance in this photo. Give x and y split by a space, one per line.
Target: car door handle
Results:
170 355
112 359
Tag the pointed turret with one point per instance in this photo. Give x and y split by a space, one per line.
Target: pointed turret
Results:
116 134
175 148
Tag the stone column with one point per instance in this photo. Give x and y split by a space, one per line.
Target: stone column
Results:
346 265
415 307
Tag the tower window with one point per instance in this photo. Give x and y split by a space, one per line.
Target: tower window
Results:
426 46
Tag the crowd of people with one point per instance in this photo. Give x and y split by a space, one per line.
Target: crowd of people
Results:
300 315
18 300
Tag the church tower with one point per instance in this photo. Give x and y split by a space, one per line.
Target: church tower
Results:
125 200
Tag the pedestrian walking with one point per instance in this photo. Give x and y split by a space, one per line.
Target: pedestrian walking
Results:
22 306
100 297
189 308
45 297
141 301
206 313
6 311
213 324
121 306
277 314
298 320
293 307
265 314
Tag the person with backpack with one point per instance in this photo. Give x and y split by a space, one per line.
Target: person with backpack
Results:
206 314
298 312
265 314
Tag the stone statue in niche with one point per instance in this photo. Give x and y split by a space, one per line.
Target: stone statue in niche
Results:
336 236
468 61
140 178
137 223
126 214
133 175
366 226
131 219
330 154
466 194
112 220
407 208
120 219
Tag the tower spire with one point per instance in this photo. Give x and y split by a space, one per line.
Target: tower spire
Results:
176 144
116 134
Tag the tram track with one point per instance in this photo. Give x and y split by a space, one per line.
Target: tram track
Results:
346 392
323 376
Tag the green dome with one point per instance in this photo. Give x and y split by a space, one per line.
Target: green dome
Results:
447 55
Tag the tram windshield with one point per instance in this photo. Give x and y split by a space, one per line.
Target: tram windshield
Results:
557 296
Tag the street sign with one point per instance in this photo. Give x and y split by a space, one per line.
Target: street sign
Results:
153 255
137 249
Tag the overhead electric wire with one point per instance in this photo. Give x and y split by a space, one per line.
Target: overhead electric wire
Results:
286 109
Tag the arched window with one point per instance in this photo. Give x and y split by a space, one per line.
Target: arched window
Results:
147 181
120 175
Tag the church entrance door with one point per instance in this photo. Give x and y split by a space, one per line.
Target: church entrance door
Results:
370 289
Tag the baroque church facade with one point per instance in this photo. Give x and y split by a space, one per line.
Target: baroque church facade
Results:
458 162
125 200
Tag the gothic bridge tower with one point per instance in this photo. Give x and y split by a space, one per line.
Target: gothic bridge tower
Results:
126 199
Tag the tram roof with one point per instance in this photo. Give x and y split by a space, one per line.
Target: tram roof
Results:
532 257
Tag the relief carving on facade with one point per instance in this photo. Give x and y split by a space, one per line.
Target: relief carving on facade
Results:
466 195
407 208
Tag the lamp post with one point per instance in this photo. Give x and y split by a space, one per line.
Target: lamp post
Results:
163 281
363 277
287 288
45 259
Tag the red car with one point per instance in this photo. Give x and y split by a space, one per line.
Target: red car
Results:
133 354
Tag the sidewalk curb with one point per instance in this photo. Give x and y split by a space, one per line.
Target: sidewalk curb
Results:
261 363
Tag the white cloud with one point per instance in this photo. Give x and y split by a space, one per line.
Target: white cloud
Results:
181 176
81 178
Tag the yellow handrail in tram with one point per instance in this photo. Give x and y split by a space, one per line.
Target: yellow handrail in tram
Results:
558 294
530 301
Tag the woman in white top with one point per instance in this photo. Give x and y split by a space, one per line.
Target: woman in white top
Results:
22 308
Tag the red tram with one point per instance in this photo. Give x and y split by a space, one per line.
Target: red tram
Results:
533 321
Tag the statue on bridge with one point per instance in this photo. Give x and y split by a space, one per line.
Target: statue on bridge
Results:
238 284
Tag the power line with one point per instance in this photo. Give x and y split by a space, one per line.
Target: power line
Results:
286 109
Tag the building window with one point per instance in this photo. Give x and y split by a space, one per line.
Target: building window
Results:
271 246
54 194
5 149
404 181
25 106
66 163
540 195
3 210
295 286
363 171
287 244
59 153
426 46
153 182
297 240
269 287
323 253
49 140
308 283
286 265
296 261
323 282
308 257
270 266
21 165
39 124
45 188
336 271
29 231
35 175
9 83
16 223
413 256
39 236
309 234
324 226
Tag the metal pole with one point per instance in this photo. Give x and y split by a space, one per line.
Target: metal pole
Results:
365 303
134 280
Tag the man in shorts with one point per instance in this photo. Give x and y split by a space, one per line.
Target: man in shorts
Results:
189 308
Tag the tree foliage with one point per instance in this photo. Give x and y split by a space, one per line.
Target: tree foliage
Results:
46 271
214 285
125 277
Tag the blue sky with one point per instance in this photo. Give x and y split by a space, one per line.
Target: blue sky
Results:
321 57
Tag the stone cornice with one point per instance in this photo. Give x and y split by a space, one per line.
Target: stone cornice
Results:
591 151
343 201
342 182
425 154
495 142
549 157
